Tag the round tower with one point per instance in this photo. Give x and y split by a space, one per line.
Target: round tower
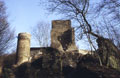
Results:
23 48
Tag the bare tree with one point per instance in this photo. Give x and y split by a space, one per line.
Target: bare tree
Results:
41 33
6 34
76 10
110 9
80 12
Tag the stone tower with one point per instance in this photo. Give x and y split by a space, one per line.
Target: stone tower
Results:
62 35
23 48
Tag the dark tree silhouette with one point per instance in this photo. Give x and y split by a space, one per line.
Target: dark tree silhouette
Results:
110 10
6 34
81 12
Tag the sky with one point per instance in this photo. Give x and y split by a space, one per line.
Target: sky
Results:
24 14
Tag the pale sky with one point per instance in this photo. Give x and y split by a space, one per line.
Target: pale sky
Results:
23 14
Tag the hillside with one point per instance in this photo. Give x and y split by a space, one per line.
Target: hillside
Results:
71 65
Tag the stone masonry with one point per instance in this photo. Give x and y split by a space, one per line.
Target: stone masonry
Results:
23 48
62 39
62 35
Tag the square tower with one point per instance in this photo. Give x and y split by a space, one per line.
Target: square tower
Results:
62 35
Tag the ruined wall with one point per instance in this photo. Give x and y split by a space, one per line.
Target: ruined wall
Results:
62 39
37 52
23 48
62 35
109 53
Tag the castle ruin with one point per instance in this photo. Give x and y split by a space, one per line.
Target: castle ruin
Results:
62 39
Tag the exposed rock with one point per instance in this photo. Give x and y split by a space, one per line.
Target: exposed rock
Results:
73 66
52 61
109 53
